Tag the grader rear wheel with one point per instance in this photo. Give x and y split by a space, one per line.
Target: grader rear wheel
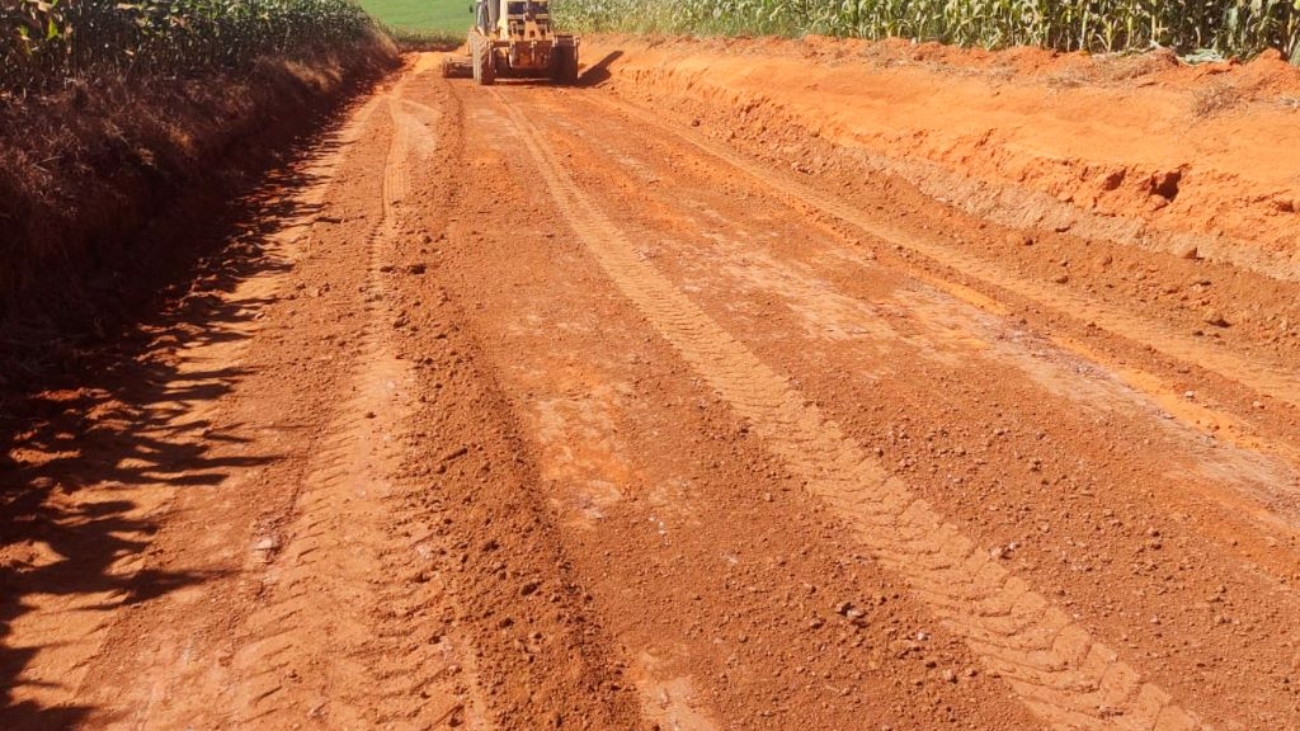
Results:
564 65
484 70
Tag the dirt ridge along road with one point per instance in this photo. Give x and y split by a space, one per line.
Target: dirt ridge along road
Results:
1059 671
1117 150
57 668
318 637
1144 298
726 604
324 575
1267 379
342 552
1215 418
1134 521
536 653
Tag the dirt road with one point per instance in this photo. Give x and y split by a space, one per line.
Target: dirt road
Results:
528 407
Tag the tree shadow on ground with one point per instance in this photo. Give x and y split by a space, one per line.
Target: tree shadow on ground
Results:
87 417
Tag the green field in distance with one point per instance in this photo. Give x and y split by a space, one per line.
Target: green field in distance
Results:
422 16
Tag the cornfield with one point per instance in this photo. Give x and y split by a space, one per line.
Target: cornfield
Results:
1240 28
47 41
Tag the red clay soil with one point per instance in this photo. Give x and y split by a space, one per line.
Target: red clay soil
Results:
1202 161
529 407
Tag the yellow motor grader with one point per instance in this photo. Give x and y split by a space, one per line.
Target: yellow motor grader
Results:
515 39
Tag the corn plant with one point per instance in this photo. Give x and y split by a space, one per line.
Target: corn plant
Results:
1223 27
43 42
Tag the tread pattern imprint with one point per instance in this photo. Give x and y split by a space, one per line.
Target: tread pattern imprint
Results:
1050 661
381 648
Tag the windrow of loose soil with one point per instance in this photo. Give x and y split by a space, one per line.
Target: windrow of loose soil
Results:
1202 162
85 170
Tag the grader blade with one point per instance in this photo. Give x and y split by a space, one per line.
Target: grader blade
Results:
457 67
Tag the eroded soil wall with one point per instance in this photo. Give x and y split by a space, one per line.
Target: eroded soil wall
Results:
83 171
1202 162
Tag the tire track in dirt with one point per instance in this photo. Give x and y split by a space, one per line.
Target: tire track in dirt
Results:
1253 508
331 620
713 599
1277 382
346 597
1057 669
535 653
372 596
953 324
59 669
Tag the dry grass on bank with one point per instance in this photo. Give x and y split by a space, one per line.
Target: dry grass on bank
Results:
84 167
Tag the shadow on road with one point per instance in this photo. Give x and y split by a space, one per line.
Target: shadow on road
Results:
85 418
599 72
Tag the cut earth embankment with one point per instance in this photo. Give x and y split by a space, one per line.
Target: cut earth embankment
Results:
86 168
1202 162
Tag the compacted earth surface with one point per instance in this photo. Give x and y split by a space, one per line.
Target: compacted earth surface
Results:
671 402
